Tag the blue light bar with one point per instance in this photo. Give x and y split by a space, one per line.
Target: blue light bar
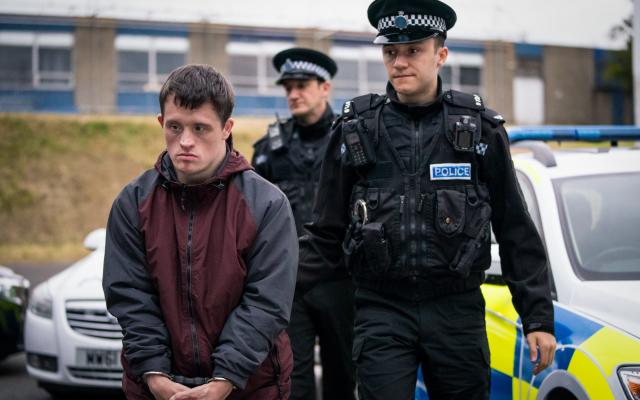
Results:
588 133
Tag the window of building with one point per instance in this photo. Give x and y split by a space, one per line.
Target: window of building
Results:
463 71
360 70
35 60
250 66
145 62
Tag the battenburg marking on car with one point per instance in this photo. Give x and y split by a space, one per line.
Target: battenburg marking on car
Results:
443 172
571 329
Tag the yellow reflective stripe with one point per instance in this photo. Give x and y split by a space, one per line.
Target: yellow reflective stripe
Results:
501 327
498 299
590 376
611 348
502 342
520 390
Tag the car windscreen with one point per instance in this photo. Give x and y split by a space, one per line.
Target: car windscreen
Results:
600 218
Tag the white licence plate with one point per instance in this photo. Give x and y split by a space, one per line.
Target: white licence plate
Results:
94 358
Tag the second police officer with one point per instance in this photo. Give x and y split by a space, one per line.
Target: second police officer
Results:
290 156
411 184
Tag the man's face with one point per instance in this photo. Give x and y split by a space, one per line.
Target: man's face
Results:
413 67
306 98
195 140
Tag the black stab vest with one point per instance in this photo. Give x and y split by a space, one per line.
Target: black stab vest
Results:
295 169
428 220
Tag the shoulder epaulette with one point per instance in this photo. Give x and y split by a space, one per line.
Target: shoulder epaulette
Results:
464 100
492 117
361 104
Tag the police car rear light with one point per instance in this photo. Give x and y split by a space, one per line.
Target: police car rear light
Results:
590 133
630 379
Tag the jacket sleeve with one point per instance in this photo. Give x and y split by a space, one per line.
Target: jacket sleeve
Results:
321 252
522 254
264 311
129 293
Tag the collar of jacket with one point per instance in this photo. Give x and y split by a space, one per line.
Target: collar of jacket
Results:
415 110
318 129
232 164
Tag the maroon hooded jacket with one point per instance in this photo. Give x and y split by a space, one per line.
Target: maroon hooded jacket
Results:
201 278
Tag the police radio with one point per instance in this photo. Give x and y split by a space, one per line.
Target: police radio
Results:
274 133
358 144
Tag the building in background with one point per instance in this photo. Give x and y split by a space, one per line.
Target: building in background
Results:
94 64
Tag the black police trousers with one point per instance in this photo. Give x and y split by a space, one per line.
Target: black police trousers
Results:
446 336
326 311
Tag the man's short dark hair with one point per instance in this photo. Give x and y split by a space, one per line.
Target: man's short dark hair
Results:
194 84
439 41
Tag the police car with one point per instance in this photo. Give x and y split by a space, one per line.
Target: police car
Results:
585 204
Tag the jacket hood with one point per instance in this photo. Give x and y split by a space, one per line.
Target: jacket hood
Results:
233 163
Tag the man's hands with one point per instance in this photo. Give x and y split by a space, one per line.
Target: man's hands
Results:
215 390
545 343
162 387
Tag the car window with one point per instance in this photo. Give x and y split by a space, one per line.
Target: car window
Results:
600 219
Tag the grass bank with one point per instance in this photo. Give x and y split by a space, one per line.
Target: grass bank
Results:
59 175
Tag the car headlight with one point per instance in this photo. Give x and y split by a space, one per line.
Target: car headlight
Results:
630 378
41 302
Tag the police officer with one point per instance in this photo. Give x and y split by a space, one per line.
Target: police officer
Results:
411 184
290 155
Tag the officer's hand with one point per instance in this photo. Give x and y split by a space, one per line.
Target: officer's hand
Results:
542 342
216 390
162 387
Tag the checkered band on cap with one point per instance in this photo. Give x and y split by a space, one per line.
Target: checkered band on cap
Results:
401 21
305 66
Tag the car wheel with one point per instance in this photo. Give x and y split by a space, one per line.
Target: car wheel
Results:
560 394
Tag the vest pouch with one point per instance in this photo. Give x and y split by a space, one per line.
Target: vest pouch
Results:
451 208
376 247
376 241
474 252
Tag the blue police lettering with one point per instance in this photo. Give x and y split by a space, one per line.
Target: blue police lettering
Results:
451 171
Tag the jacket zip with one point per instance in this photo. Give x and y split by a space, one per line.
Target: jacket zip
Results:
194 333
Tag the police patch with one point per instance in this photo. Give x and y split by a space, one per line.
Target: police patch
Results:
447 172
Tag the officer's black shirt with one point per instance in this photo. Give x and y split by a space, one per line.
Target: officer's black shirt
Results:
411 129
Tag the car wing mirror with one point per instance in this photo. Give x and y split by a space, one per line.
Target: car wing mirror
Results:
95 239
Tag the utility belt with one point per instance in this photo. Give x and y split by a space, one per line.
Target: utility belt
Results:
420 288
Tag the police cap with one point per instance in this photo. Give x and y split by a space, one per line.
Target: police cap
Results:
299 63
407 21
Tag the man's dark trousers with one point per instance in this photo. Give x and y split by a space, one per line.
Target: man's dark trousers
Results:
445 335
325 311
